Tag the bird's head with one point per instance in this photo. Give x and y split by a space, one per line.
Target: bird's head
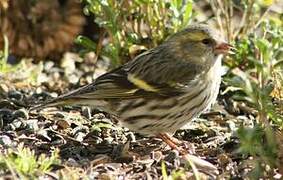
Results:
199 43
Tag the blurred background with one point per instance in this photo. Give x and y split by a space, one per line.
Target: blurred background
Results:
50 47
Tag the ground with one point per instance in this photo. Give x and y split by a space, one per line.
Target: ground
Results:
89 142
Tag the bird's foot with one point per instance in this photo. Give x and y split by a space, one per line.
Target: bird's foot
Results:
195 162
188 147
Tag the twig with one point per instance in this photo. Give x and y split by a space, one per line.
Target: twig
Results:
248 17
262 16
216 14
68 137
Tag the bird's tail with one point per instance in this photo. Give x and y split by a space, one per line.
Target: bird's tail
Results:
54 102
78 97
82 101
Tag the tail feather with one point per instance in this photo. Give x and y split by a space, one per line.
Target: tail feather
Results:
54 102
61 101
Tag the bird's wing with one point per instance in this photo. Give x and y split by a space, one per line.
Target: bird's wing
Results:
120 84
150 75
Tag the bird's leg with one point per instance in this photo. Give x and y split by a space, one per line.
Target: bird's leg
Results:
172 142
196 161
186 145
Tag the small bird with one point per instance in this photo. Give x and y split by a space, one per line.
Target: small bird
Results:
161 89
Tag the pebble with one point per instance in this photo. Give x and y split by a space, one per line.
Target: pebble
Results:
98 116
172 156
72 162
86 112
80 136
5 140
74 79
4 88
156 156
6 115
7 104
63 124
15 95
43 135
16 124
78 129
32 124
60 115
108 140
21 113
48 65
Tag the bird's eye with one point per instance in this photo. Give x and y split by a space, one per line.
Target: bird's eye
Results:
206 41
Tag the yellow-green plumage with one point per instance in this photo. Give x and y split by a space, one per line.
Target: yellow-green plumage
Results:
162 89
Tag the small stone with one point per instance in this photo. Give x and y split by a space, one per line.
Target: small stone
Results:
172 156
108 140
98 116
80 136
39 90
4 88
48 65
86 112
41 78
7 104
72 162
73 78
63 124
15 95
89 79
32 124
43 134
6 115
5 140
60 114
78 129
90 57
68 61
156 155
277 176
21 113
18 124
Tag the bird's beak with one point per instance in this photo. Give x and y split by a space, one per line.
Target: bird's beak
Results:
224 48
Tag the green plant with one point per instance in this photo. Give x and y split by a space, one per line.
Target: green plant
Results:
175 174
23 162
4 55
255 73
259 57
249 15
27 72
252 75
259 143
138 24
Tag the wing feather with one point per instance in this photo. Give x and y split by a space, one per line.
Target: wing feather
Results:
138 79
